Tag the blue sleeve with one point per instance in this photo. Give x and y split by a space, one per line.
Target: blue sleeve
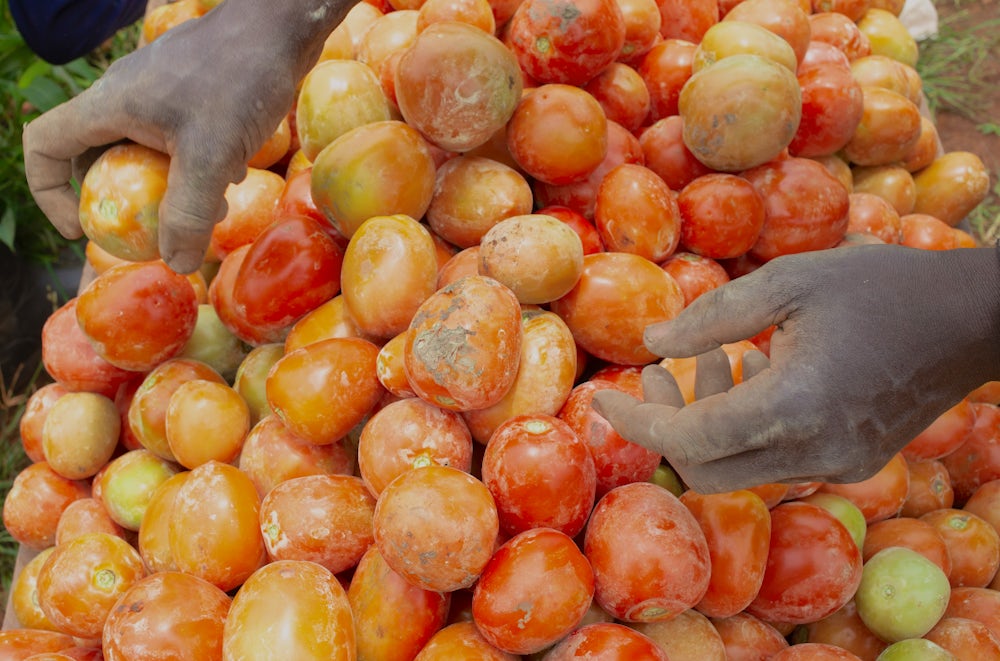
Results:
63 30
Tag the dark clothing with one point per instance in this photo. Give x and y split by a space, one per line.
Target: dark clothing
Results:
63 30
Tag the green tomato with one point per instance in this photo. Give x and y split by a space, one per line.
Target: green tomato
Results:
666 477
902 594
915 649
846 512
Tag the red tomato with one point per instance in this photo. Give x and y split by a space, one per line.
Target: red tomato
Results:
694 274
540 475
737 528
622 93
37 498
973 546
687 19
393 618
912 533
460 640
872 214
813 566
722 215
665 69
814 652
296 200
642 29
838 30
977 460
979 604
831 110
560 42
845 629
748 638
806 208
251 205
509 609
666 154
636 212
650 557
167 613
930 487
617 461
608 641
83 516
584 228
33 418
965 638
880 496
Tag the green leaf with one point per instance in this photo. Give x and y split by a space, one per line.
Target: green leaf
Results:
8 226
37 69
45 94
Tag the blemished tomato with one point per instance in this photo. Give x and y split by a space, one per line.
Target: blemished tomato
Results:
951 186
127 483
540 474
622 93
37 498
610 641
120 201
665 153
646 571
389 269
291 268
509 609
80 434
558 133
788 19
377 169
463 345
973 546
737 528
806 208
473 193
294 606
251 207
392 618
326 519
70 358
636 212
813 566
617 461
81 580
570 43
880 496
913 533
838 30
722 215
457 85
546 373
437 526
930 487
322 390
227 552
688 636
872 214
138 314
167 613
617 296
459 640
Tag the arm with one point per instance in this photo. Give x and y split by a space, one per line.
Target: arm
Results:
208 93
872 344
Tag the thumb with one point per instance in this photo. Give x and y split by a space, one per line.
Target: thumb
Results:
193 203
735 311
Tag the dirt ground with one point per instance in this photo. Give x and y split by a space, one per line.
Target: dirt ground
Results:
962 133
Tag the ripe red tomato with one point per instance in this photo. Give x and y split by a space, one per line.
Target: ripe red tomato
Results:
930 487
722 215
609 641
912 533
509 609
665 153
747 637
973 546
636 212
37 498
622 93
694 274
813 566
977 460
650 557
832 107
687 19
665 69
838 30
251 207
584 228
873 214
560 42
880 496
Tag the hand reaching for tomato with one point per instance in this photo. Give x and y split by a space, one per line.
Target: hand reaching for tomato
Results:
871 344
182 95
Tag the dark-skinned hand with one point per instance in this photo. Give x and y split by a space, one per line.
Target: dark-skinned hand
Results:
872 343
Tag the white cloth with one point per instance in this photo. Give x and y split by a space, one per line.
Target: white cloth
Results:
921 18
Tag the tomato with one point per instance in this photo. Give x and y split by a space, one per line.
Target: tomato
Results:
806 208
120 201
813 566
37 498
606 640
965 638
979 604
206 420
153 540
973 546
976 461
622 93
873 214
80 434
951 186
227 552
83 516
507 607
636 212
294 606
880 496
377 169
832 107
890 182
392 618
167 613
251 204
275 148
728 38
845 629
919 230
930 488
642 29
616 297
884 71
394 30
694 274
81 580
546 373
584 228
737 528
458 640
463 263
923 153
22 643
913 533
292 267
477 13
127 483
838 30
888 35
717 127
646 571
322 390
32 421
665 69
296 199
147 412
214 344
688 636
457 85
888 129
687 20
325 321
540 474
436 526
70 358
665 153
722 215
558 134
23 600
220 295
463 345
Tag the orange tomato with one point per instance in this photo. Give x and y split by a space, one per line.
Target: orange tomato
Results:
205 421
83 516
880 496
24 594
37 498
636 212
153 540
251 207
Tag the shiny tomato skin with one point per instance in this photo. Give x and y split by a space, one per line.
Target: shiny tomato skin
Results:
584 228
665 69
976 461
694 274
813 566
880 496
608 641
831 110
36 500
637 212
722 215
665 153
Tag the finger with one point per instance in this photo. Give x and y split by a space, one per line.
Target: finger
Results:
713 374
193 203
660 387
640 423
745 470
735 311
754 362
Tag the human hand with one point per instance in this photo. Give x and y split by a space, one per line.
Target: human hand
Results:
209 93
872 344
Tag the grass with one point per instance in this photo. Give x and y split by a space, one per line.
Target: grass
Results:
12 461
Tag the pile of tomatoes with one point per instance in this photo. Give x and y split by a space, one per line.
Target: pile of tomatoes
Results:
363 429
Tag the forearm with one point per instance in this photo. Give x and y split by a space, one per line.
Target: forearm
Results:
980 270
